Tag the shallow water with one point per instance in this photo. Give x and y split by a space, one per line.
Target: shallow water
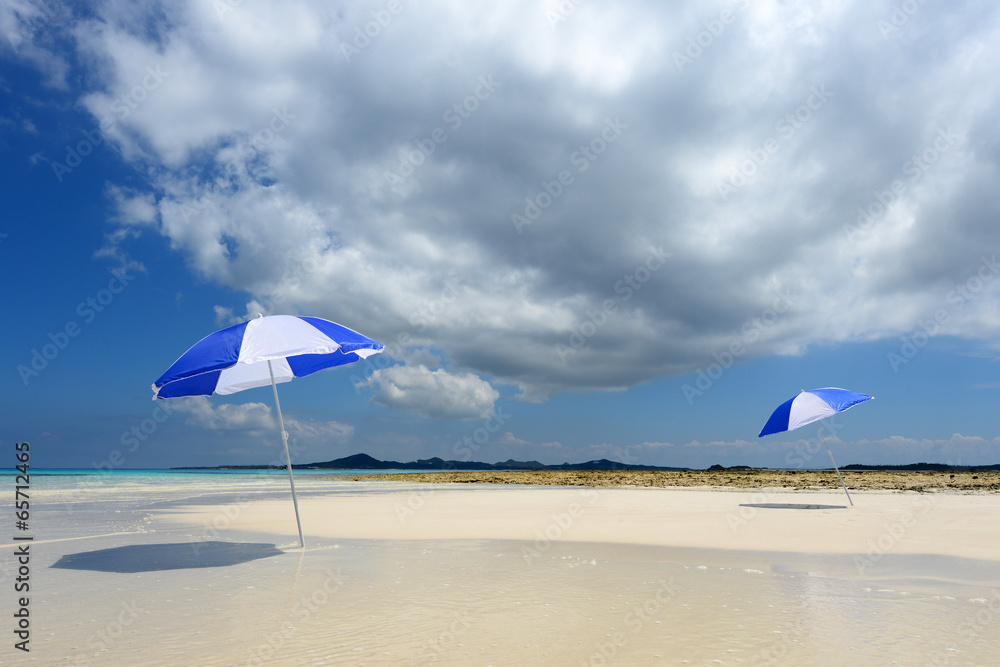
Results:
470 602
66 501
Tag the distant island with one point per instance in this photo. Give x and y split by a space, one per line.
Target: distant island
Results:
366 462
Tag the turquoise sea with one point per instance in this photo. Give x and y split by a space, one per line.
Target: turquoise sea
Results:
58 483
66 502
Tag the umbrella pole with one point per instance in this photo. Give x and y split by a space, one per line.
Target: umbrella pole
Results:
831 460
288 459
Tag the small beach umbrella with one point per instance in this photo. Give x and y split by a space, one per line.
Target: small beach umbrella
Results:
810 406
263 351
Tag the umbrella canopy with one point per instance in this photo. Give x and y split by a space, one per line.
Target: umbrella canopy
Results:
811 406
236 358
263 351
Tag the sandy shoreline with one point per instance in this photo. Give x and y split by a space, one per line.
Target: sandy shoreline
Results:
874 480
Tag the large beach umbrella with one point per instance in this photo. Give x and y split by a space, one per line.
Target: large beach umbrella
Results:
263 351
810 406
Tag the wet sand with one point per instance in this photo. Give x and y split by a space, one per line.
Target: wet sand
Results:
540 575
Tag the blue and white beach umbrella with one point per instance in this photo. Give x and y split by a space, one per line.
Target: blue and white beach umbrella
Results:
263 351
810 406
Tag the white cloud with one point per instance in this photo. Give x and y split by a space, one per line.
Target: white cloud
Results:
509 439
438 393
202 412
255 419
224 316
133 207
955 450
319 430
267 155
28 31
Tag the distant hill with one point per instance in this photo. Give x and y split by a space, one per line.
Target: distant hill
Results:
366 462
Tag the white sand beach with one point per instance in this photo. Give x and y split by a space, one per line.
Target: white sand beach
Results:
404 573
938 524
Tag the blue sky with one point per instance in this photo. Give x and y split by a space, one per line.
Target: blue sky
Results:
625 232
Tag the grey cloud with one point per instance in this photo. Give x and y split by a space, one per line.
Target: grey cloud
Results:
310 221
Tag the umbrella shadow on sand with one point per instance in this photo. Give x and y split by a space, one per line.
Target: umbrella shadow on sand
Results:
174 556
794 506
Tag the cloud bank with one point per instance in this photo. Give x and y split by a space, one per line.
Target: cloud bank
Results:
562 201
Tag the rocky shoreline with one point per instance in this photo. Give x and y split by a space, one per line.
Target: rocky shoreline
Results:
875 480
